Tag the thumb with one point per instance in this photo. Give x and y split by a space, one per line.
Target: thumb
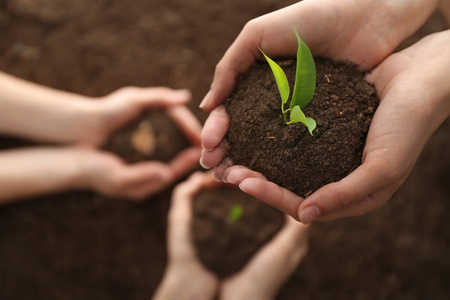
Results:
365 190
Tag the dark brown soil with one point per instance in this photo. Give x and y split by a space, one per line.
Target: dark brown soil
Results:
151 137
224 244
258 138
85 246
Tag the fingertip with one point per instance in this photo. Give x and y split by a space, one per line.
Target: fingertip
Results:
206 101
204 166
245 185
215 176
309 214
215 128
183 95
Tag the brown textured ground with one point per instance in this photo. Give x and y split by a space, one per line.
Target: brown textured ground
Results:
84 246
343 106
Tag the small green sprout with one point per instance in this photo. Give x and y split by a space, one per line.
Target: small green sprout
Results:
236 213
305 85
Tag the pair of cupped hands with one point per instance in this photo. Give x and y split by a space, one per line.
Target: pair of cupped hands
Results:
413 86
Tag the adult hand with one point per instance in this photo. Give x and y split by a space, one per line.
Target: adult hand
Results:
415 100
337 29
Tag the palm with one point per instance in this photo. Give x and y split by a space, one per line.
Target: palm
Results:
341 30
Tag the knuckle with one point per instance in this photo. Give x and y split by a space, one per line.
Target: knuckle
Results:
343 199
250 26
219 70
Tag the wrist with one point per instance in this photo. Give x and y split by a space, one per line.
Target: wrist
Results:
87 168
85 122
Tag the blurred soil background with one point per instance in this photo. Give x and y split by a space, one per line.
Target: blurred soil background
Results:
80 245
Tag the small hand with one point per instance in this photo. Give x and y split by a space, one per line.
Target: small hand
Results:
113 111
109 175
261 278
271 266
185 276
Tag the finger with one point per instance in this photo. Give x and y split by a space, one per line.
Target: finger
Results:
216 126
144 172
156 96
273 33
238 58
273 195
237 174
184 162
142 191
354 195
180 215
220 168
369 204
187 122
212 158
272 265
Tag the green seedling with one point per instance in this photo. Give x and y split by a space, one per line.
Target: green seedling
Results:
305 85
236 213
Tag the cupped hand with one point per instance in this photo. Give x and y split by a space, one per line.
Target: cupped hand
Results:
337 29
271 266
107 174
185 277
415 100
115 110
262 276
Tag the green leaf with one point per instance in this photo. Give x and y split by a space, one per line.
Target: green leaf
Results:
311 124
298 116
305 78
236 213
280 78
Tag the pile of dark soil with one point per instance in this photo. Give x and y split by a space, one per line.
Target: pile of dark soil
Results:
258 138
224 244
153 136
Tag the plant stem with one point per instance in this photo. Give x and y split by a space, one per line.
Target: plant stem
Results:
284 114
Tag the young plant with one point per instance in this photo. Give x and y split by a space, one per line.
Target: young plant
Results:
235 213
305 85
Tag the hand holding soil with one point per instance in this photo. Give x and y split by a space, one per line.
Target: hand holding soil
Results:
186 278
400 127
47 115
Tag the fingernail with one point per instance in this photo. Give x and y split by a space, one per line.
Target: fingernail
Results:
242 186
230 180
216 179
205 100
203 166
225 179
309 214
206 149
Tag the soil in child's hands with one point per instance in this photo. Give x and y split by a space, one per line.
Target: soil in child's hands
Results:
153 136
224 246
